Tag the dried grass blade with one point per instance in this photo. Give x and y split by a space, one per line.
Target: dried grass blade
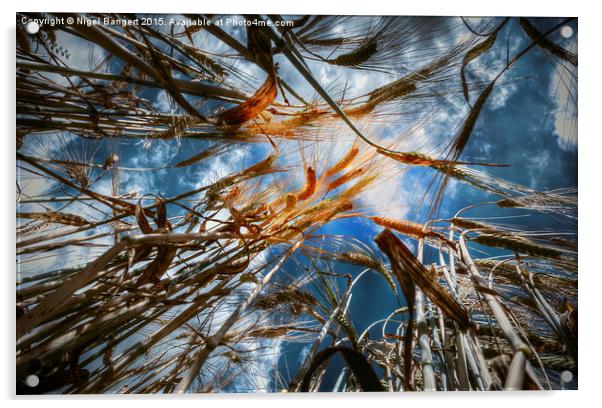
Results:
252 107
388 246
461 139
410 265
60 296
143 223
471 54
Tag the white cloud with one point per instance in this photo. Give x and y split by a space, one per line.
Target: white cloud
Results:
388 198
500 94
